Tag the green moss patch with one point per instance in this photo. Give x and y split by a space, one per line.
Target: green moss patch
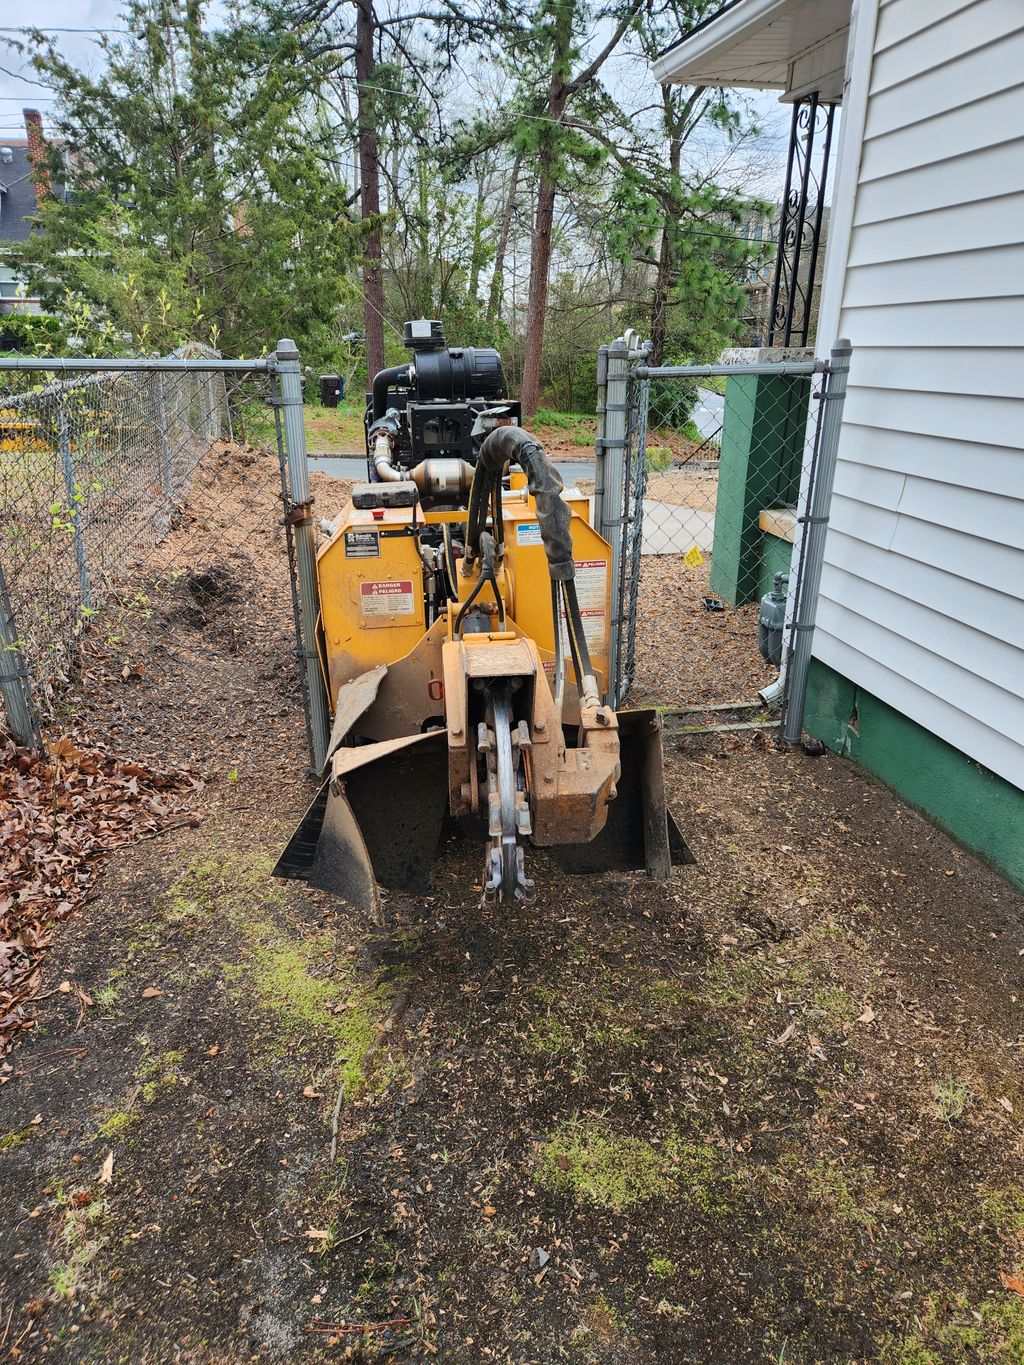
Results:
304 991
153 1075
117 1123
79 1240
1004 1209
991 1329
586 1162
287 977
580 1021
12 1140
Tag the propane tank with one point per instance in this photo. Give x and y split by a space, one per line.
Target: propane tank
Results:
771 621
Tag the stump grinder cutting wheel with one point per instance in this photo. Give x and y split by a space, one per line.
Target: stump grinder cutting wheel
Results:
465 613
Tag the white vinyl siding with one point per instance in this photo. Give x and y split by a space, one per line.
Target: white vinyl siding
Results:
923 587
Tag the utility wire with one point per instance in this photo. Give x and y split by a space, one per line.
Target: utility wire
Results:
64 30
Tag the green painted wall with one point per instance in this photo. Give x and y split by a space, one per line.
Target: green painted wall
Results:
759 466
776 555
980 810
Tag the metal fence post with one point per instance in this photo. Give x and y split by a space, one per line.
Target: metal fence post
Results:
602 384
163 442
613 503
289 376
212 410
638 393
76 506
815 529
14 684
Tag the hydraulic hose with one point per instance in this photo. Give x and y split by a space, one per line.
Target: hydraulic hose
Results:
506 444
488 558
512 444
559 688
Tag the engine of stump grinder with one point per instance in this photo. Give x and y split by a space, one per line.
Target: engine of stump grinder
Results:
466 607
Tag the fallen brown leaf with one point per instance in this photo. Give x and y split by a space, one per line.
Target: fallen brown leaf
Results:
61 813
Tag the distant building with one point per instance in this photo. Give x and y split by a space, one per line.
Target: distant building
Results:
24 180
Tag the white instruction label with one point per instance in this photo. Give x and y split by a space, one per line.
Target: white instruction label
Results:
528 533
591 593
387 599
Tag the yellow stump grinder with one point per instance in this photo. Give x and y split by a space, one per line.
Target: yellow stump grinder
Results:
465 611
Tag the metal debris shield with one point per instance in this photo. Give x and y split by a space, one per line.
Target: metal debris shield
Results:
376 821
640 831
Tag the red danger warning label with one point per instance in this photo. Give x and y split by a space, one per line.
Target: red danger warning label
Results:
387 599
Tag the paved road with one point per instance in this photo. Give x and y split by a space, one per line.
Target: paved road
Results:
667 529
670 530
352 467
708 414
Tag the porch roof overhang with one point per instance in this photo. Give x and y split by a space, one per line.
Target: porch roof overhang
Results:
796 46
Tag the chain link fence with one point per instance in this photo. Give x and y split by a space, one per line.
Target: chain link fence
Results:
702 485
141 503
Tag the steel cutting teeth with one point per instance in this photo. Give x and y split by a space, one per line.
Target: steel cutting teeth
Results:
508 811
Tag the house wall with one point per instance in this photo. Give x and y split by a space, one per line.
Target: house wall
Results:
922 601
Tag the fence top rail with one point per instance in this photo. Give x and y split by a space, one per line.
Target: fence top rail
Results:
146 365
56 388
779 367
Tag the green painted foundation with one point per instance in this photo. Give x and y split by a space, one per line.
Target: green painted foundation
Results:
980 810
776 556
759 466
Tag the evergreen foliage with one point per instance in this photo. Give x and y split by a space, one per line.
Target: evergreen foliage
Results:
200 208
218 160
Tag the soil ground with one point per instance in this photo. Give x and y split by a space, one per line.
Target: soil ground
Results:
769 1111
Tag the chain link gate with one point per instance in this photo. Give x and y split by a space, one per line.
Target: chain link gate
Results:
712 486
132 495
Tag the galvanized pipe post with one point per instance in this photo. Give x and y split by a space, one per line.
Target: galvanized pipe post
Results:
613 504
14 684
76 506
163 442
289 397
212 409
602 387
815 529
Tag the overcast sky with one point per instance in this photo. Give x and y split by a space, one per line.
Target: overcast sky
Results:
16 92
627 75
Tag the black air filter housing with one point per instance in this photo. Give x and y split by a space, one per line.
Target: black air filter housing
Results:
454 376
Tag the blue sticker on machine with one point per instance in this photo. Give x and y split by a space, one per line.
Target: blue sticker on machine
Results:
528 533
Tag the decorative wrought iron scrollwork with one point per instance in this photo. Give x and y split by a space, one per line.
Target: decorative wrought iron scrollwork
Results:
799 237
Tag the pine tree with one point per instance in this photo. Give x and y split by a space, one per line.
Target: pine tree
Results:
200 205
